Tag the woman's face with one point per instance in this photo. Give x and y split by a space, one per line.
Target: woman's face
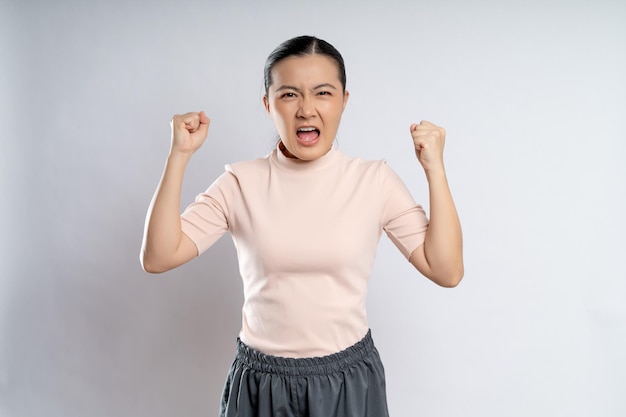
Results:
305 101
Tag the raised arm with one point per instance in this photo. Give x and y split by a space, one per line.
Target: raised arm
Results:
440 258
164 245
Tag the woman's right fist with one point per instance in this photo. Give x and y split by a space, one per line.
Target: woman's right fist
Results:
189 131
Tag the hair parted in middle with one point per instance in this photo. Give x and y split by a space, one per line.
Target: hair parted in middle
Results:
302 46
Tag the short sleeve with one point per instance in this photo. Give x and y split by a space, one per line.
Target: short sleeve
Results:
404 221
206 219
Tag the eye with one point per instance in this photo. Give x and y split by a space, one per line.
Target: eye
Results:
288 95
324 93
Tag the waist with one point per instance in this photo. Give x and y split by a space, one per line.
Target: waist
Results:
288 335
321 365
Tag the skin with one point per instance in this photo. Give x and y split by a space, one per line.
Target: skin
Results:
164 245
440 258
305 91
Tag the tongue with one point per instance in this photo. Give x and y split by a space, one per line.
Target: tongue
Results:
308 136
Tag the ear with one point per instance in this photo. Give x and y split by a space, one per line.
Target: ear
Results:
266 104
346 96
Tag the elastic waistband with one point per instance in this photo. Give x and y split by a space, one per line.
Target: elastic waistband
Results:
322 365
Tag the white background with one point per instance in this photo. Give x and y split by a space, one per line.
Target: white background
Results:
532 94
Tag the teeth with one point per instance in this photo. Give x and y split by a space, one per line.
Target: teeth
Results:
306 129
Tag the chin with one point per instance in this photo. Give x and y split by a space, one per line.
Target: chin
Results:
307 152
310 153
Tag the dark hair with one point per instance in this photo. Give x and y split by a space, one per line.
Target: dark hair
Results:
302 46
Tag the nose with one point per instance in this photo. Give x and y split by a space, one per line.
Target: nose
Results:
307 107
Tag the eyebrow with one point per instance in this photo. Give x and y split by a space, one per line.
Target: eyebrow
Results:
317 87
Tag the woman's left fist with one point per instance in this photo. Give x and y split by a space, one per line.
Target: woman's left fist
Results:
428 140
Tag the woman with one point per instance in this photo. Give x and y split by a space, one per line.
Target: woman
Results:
306 221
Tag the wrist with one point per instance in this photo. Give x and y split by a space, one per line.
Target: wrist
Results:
179 156
177 161
436 171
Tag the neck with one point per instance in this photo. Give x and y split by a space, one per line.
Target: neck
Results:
285 151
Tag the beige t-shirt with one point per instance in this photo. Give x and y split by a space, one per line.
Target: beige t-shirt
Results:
306 235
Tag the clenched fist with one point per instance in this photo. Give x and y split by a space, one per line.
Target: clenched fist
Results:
428 140
189 131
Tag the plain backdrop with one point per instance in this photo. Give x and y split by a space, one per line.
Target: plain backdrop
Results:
533 97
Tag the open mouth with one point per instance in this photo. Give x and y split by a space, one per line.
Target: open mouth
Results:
308 135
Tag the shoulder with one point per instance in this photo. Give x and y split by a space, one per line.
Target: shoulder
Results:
376 174
359 166
250 167
237 173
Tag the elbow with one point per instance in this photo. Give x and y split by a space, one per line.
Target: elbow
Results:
148 264
151 269
450 279
445 270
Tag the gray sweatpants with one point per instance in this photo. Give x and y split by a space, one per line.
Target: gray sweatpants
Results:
350 383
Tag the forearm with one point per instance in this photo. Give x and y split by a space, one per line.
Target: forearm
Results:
163 234
443 245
